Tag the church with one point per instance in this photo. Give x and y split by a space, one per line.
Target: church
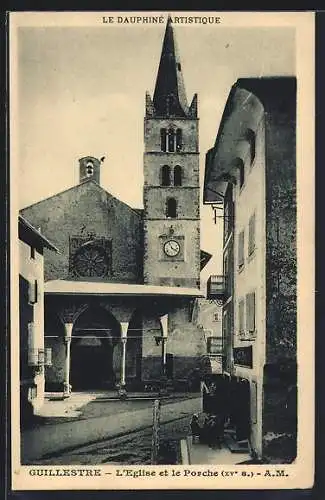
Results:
119 295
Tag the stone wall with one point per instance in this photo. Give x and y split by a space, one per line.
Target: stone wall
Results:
89 209
280 379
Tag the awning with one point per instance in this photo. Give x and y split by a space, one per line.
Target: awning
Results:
65 287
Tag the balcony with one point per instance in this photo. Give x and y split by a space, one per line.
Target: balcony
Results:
216 287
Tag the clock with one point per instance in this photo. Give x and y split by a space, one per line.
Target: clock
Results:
171 248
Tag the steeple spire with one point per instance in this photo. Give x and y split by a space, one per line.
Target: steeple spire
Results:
170 97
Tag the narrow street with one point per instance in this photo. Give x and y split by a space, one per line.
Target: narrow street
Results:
111 432
132 448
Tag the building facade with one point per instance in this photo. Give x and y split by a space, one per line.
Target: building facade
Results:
33 356
207 315
119 296
252 169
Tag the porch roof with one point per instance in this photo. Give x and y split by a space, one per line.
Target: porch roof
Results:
65 287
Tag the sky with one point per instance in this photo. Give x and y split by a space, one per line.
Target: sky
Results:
81 91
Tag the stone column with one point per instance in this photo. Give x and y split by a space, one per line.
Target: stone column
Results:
67 340
122 388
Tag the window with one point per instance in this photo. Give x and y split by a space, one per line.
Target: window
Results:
250 135
179 143
171 208
226 274
251 235
171 140
165 175
91 260
217 316
163 139
241 173
241 317
214 345
32 252
228 218
250 313
89 169
241 254
177 176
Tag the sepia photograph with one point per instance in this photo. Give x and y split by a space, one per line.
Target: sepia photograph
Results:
161 224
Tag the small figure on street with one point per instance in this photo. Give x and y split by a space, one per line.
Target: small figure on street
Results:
195 428
215 430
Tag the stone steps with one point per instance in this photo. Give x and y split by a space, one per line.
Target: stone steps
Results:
236 446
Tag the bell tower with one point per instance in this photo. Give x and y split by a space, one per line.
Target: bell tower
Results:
171 177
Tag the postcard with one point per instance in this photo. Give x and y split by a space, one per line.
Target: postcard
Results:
162 250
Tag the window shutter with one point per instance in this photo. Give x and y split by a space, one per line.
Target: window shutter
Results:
251 235
241 242
241 317
250 312
253 313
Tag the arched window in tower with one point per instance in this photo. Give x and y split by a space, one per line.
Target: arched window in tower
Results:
171 140
250 136
89 169
165 175
163 139
178 175
171 208
179 139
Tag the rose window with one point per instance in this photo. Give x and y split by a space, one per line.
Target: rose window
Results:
91 261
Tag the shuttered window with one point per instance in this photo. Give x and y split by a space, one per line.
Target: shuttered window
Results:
250 313
241 253
251 235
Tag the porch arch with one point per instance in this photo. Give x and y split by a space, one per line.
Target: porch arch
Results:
95 334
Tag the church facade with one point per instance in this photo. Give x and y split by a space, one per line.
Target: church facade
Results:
119 295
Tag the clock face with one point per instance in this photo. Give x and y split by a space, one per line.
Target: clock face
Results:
91 261
171 248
